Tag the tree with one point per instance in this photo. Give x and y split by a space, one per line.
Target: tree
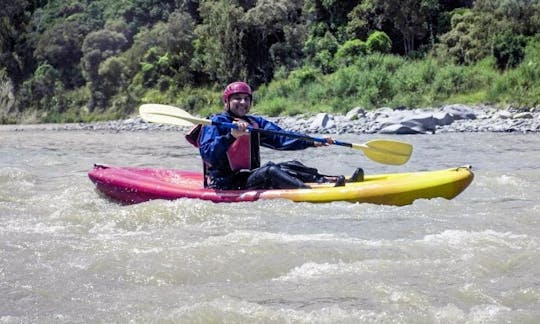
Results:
97 47
521 16
7 95
334 14
469 40
409 18
218 45
112 75
378 41
42 90
139 13
162 55
15 55
350 51
288 53
508 49
270 32
60 46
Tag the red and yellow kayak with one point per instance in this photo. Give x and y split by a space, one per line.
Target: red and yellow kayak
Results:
132 185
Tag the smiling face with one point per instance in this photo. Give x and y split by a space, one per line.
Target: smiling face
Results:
239 104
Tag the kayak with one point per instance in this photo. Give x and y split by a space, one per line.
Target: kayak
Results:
131 185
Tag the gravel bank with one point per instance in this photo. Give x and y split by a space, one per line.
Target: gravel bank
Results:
445 119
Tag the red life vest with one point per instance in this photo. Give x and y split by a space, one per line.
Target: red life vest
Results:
240 152
243 154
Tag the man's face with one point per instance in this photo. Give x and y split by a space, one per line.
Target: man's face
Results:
239 104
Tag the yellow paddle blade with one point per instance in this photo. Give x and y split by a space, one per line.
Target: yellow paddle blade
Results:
163 114
386 151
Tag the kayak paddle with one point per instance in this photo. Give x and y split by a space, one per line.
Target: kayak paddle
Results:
382 151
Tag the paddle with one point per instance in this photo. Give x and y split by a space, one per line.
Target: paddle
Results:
382 151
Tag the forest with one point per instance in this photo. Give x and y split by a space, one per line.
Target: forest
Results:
87 60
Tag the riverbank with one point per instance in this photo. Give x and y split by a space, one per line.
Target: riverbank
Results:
445 119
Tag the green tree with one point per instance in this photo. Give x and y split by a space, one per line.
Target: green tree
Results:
218 45
334 14
43 91
321 50
97 47
482 31
378 41
139 13
7 95
288 53
113 76
508 49
15 52
521 16
162 55
350 51
409 18
60 46
269 28
468 40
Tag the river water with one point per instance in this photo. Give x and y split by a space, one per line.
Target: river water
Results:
68 255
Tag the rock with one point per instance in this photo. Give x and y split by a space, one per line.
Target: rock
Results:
355 113
384 112
399 129
443 118
322 120
524 115
504 114
459 111
421 122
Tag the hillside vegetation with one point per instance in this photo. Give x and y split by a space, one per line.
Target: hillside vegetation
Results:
87 60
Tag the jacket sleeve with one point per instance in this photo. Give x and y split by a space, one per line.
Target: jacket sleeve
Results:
214 143
280 142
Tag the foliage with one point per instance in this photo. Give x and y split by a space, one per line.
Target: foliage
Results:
350 51
508 49
465 42
7 98
74 60
520 86
378 41
218 47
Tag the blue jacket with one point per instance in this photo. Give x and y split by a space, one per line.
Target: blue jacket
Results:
214 142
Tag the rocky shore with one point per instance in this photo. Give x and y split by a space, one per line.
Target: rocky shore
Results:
445 119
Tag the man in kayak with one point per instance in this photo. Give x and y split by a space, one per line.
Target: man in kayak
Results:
231 157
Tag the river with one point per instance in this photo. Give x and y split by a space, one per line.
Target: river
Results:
67 255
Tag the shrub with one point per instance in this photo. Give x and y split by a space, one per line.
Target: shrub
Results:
378 41
350 51
508 49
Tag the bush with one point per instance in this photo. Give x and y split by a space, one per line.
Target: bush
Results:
522 84
350 51
508 49
379 42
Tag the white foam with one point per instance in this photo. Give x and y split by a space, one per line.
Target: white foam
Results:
463 238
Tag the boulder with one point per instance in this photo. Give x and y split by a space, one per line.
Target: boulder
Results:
459 111
355 113
322 121
399 129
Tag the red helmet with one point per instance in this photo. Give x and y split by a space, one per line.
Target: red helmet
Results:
236 87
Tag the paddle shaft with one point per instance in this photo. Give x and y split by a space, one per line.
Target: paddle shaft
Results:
282 133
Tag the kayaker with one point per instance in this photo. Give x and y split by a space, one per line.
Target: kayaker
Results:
231 157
